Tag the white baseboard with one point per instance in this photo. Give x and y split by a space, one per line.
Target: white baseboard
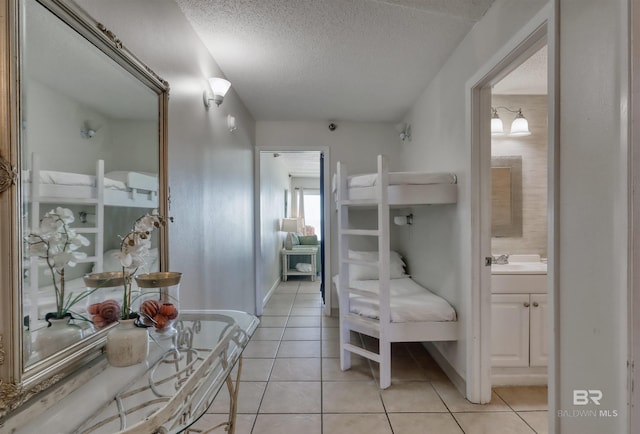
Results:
269 293
447 367
519 376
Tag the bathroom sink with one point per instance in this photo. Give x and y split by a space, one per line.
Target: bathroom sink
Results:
527 277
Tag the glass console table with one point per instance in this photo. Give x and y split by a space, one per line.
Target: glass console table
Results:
168 393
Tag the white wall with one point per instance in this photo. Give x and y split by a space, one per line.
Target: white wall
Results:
210 169
594 229
438 245
356 143
274 180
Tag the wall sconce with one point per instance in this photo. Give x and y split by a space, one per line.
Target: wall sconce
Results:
402 220
519 126
231 123
405 131
218 89
87 133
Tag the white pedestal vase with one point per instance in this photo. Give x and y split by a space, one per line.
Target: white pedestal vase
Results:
127 344
58 335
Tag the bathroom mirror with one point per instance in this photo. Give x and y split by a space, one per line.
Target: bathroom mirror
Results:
83 128
506 196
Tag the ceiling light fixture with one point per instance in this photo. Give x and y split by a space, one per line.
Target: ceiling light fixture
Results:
218 89
519 126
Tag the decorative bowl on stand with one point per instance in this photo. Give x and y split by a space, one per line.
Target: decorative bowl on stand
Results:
159 301
105 298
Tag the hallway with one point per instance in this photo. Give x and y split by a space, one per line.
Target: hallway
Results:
291 383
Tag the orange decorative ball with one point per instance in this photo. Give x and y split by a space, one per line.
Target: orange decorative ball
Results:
94 309
150 308
169 310
160 321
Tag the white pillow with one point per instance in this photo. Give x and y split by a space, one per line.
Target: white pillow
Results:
365 272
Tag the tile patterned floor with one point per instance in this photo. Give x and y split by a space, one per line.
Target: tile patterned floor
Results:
292 383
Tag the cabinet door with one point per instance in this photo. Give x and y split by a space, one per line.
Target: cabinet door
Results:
510 330
538 330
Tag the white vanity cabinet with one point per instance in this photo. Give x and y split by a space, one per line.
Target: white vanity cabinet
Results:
519 318
519 330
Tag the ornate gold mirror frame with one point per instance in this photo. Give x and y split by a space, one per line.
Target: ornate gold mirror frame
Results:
17 383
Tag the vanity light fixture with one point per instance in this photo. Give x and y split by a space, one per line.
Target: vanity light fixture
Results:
218 88
402 220
519 126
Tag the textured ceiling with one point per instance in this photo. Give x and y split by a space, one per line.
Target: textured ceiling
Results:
530 78
359 60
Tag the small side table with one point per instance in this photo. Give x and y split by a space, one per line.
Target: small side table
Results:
307 251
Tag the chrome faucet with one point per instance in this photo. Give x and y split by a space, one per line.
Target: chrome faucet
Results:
501 259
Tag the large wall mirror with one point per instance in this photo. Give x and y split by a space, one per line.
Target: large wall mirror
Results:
86 140
506 196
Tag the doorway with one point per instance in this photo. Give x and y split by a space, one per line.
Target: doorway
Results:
519 216
290 186
536 34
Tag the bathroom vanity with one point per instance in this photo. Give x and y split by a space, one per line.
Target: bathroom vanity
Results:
519 347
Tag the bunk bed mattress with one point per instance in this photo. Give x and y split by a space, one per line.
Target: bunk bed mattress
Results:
410 302
402 178
76 179
398 178
139 180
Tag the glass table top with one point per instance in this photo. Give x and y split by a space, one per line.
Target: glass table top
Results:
169 392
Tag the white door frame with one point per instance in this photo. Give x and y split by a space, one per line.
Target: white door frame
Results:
326 236
528 40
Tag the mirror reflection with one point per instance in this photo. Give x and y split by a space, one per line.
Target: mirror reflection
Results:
506 195
90 162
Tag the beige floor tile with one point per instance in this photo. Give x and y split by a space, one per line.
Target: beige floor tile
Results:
278 297
454 400
276 310
261 350
331 348
290 349
309 296
307 303
254 369
304 321
524 398
292 397
298 369
538 420
330 321
330 334
244 422
492 423
412 397
421 423
288 423
309 287
356 423
273 321
268 334
287 289
359 371
403 369
301 334
249 397
351 397
306 311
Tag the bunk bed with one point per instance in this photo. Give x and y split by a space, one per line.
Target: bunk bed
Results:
46 187
376 298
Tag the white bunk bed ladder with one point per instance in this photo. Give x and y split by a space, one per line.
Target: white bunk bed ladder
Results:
349 321
37 199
